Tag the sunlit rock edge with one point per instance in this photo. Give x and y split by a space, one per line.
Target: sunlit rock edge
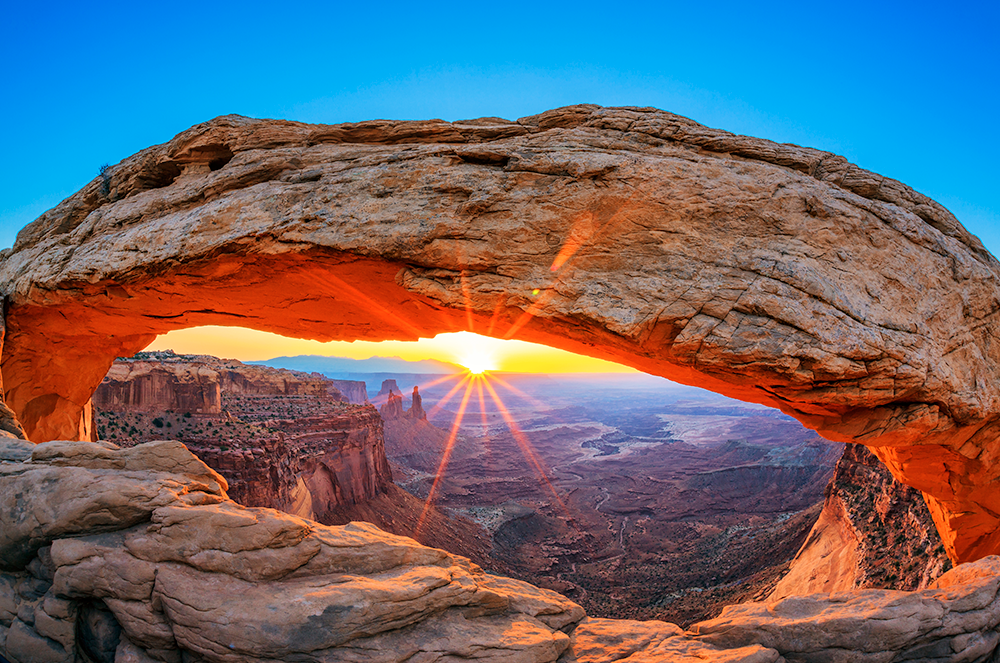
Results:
145 540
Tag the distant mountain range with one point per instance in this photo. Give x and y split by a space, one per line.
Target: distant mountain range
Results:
334 366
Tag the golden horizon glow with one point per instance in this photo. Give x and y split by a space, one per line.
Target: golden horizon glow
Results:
461 348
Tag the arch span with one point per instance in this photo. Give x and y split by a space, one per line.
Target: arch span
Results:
766 272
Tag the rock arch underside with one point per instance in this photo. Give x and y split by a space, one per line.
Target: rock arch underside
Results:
767 272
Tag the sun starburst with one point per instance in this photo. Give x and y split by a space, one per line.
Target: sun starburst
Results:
479 381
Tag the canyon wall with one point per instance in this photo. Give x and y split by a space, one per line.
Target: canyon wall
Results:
873 532
354 391
342 458
263 472
282 439
768 272
161 380
262 380
150 386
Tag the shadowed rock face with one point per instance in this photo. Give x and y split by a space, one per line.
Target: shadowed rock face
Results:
772 273
873 532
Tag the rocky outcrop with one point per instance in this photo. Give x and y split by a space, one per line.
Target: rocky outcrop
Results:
767 272
392 409
626 640
263 382
956 619
151 386
163 567
162 381
302 453
137 555
9 425
343 462
389 387
285 439
416 410
354 391
261 472
873 532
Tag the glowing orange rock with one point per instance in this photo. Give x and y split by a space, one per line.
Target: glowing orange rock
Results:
772 273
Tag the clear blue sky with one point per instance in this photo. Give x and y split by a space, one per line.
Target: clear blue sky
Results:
909 90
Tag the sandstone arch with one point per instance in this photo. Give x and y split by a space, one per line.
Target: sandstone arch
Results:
772 273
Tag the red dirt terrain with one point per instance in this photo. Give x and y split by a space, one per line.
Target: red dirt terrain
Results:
635 497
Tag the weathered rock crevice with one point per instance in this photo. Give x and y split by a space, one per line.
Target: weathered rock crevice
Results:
873 532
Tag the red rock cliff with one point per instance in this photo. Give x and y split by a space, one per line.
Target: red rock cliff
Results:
151 386
282 439
342 459
354 391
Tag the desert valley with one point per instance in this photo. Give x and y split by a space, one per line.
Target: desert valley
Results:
633 496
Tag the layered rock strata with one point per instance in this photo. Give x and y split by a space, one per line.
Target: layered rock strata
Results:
152 387
344 461
136 554
287 439
768 272
389 387
159 381
263 472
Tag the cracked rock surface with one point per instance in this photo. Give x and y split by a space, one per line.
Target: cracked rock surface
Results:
768 272
171 570
144 543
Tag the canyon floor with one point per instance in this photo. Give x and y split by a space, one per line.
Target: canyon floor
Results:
636 497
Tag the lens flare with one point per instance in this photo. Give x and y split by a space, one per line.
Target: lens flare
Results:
445 456
474 381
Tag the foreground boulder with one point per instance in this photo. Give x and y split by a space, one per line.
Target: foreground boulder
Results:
146 544
954 620
137 555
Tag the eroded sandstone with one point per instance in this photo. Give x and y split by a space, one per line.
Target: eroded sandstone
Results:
873 532
200 578
191 571
941 623
768 272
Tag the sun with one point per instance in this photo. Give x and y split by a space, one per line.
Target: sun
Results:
478 360
476 353
477 365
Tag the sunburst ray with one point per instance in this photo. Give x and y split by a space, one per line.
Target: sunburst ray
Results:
445 457
522 441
